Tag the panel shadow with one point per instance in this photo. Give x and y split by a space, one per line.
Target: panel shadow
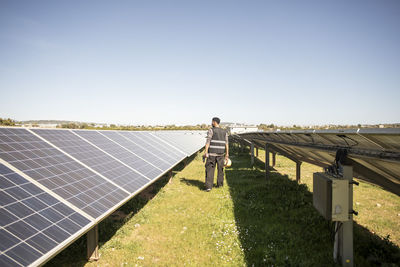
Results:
279 226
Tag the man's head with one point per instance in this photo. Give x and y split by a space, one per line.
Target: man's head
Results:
215 122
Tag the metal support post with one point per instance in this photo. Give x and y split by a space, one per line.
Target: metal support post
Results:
273 159
93 244
169 176
344 238
298 174
266 161
252 153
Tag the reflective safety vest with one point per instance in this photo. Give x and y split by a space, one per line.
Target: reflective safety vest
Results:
217 144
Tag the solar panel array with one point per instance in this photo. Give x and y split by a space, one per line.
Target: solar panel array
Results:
57 184
374 153
183 140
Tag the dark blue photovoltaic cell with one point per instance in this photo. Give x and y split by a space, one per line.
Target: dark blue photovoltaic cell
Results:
122 154
94 158
58 172
32 222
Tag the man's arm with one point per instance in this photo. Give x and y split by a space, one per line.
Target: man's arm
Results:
206 150
226 146
208 141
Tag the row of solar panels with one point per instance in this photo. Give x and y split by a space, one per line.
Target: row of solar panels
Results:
374 153
57 184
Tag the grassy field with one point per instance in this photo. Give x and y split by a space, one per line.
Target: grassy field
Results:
378 209
248 222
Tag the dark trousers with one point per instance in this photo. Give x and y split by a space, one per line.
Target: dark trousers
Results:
213 161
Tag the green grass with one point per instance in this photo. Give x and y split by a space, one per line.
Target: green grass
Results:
379 210
247 222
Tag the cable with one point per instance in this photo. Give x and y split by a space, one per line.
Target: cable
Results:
344 139
338 228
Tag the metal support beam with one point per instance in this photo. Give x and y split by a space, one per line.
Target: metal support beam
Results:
344 237
374 177
185 160
266 161
273 159
170 176
252 153
283 153
298 174
93 244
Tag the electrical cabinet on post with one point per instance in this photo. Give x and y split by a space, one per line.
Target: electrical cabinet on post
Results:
331 196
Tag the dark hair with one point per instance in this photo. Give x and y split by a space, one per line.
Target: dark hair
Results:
216 119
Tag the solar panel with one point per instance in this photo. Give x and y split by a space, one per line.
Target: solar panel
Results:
156 145
58 172
95 158
56 184
121 153
186 141
154 158
374 153
32 222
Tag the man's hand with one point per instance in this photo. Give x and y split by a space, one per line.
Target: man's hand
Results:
205 155
226 157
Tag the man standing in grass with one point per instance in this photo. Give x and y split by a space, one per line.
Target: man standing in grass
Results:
216 152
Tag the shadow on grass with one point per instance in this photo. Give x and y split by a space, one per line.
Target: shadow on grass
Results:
195 183
279 226
75 254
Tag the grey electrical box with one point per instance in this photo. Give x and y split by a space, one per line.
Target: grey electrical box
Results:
331 196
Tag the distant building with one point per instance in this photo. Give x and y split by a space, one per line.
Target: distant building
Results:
236 129
48 125
39 125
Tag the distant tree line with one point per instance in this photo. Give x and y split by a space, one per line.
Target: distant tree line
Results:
132 127
266 127
270 127
7 122
262 126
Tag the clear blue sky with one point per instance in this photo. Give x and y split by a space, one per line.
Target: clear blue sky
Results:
183 62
